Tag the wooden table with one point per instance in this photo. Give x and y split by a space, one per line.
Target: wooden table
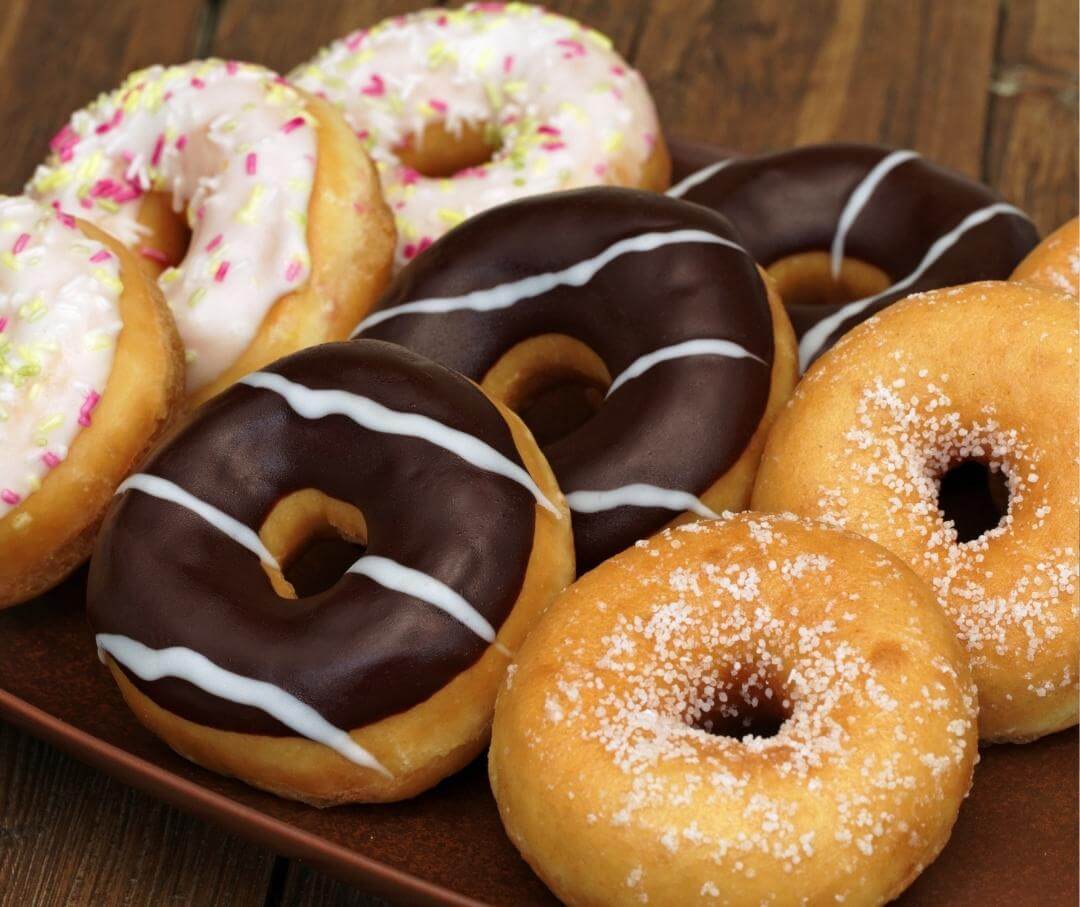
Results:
986 86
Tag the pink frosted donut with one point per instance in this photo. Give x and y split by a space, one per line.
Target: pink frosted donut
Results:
539 101
241 192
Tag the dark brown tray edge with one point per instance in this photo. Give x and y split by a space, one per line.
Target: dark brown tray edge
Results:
281 837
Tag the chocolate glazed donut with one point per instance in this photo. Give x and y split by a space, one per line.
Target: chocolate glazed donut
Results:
454 501
653 301
885 222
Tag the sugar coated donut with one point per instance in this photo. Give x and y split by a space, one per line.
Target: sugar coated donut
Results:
382 684
761 710
649 302
251 202
91 370
847 230
982 376
1055 262
465 109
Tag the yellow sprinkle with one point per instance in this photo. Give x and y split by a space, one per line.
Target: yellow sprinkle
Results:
298 217
8 260
108 204
514 87
170 275
28 370
107 278
53 422
46 180
20 521
613 141
190 356
196 297
246 215
451 217
33 483
601 41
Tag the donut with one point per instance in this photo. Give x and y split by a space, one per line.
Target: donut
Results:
760 710
91 370
649 303
469 108
1054 264
846 229
381 684
252 204
979 378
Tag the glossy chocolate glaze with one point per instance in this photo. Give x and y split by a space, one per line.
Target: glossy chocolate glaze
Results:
792 202
680 425
358 651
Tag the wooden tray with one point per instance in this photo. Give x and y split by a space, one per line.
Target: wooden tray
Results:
1015 843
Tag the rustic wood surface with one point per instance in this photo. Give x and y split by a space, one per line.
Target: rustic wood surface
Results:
986 86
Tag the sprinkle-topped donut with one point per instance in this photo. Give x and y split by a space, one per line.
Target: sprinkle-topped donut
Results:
90 372
59 318
226 150
466 542
868 224
547 99
651 302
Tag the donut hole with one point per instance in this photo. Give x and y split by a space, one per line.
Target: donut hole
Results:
167 237
806 278
751 708
974 497
554 382
315 539
439 152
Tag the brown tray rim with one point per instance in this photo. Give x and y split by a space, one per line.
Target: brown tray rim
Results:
244 821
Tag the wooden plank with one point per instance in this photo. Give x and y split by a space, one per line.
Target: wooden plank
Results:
55 57
754 75
1032 152
305 887
70 836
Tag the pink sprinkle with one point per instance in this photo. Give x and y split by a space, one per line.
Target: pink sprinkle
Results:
294 123
66 219
508 62
222 272
196 82
154 254
375 86
442 21
293 271
618 70
103 187
553 146
20 243
9 497
100 255
66 154
86 203
127 193
201 212
423 244
353 41
469 172
3 324
214 243
438 105
409 251
549 130
50 459
159 146
573 48
64 142
359 207
181 143
231 66
600 169
89 403
250 163
362 134
409 176
112 122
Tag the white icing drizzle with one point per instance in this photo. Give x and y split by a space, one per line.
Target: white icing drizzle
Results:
696 179
177 661
158 487
505 295
858 199
392 575
700 347
638 495
317 404
814 339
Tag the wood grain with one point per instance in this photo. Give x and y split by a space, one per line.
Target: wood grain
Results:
1031 155
71 836
756 75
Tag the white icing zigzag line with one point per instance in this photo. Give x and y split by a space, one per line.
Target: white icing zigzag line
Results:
858 199
703 347
176 661
638 495
392 575
317 404
507 294
815 338
158 487
696 179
